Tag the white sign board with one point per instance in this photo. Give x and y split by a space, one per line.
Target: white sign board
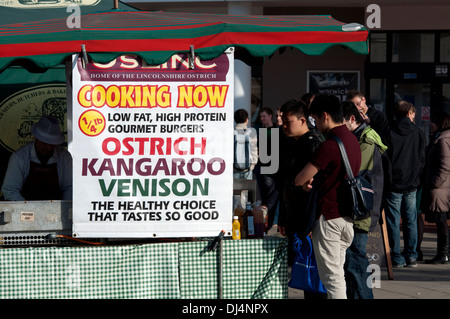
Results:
152 148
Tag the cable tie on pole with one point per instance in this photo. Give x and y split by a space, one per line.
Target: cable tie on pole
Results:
191 57
84 57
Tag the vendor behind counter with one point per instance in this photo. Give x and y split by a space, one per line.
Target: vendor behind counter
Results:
41 170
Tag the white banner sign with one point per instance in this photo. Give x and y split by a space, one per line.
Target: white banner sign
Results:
152 148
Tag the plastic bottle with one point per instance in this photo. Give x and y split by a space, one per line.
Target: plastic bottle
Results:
266 218
239 212
259 222
236 228
249 221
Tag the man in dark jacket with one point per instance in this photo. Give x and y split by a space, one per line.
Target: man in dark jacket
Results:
302 145
406 151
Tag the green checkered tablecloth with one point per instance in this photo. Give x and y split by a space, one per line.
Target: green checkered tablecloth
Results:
255 268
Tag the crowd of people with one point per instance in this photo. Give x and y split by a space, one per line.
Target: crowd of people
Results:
410 181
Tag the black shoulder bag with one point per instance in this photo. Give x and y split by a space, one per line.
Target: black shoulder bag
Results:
359 191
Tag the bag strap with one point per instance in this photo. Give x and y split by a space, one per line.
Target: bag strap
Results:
247 152
308 239
344 156
299 243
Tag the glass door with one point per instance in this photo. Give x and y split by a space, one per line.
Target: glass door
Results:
419 94
446 97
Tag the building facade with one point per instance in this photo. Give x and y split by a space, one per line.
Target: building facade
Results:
409 52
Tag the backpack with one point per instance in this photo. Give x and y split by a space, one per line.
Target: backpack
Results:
358 189
242 149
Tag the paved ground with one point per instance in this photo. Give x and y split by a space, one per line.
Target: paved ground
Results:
424 282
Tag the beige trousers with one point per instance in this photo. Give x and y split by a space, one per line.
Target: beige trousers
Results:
331 238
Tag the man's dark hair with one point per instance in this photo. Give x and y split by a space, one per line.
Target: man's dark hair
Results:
240 116
402 108
349 109
441 119
352 94
286 104
327 103
295 107
266 109
307 98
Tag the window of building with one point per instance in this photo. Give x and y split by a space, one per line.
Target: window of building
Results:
378 43
413 47
446 97
445 47
378 94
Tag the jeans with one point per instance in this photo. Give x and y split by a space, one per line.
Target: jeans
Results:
356 264
402 205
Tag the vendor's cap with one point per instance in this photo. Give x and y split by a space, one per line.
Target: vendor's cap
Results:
47 130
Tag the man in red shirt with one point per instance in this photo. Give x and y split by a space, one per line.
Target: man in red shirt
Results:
333 232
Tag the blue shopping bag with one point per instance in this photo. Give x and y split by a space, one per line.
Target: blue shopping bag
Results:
304 274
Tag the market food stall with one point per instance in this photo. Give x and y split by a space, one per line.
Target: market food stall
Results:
149 122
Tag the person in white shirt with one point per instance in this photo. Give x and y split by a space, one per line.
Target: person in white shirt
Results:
41 170
241 129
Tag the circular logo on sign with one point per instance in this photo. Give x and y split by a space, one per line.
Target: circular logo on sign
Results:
19 111
92 123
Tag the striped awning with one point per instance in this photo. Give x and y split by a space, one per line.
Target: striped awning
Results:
156 36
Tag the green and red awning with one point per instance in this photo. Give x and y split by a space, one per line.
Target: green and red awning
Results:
156 36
